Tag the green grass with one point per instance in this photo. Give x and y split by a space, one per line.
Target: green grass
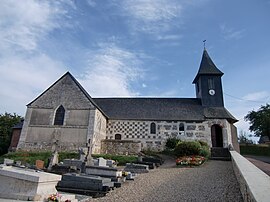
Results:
258 150
31 157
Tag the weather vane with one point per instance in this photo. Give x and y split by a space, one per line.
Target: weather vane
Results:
204 43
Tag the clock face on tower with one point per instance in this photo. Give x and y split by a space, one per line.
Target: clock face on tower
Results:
212 92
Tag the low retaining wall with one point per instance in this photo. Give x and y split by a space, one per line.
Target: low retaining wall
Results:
254 184
122 147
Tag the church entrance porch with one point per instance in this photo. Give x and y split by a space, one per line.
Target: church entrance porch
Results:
216 136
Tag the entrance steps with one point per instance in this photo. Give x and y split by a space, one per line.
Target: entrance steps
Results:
219 153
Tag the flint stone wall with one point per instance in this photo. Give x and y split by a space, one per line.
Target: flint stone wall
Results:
120 147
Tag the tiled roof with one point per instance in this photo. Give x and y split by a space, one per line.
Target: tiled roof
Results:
184 109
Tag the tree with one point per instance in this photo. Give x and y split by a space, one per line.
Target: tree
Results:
244 138
7 121
259 121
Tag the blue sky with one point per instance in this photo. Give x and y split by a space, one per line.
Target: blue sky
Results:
134 48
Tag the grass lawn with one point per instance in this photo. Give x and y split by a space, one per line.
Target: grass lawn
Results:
31 157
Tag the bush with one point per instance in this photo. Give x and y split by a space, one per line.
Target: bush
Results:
259 150
205 151
172 142
202 143
187 148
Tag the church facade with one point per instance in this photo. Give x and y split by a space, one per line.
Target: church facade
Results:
66 115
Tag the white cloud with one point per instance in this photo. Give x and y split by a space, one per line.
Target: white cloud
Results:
24 70
24 79
231 33
111 70
23 24
152 16
257 96
91 3
169 37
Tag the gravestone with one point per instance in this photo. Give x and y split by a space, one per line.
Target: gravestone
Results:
101 162
53 160
136 168
8 162
88 161
39 164
85 184
103 171
26 184
111 163
82 154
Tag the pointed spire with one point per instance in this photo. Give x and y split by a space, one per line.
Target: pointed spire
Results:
207 67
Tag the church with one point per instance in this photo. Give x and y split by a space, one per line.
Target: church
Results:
67 116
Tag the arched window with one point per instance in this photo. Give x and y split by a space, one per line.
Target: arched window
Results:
181 127
153 128
59 116
117 137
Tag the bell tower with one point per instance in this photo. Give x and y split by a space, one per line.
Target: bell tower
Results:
208 83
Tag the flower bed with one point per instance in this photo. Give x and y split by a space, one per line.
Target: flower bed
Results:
190 160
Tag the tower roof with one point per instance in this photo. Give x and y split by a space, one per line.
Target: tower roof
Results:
207 67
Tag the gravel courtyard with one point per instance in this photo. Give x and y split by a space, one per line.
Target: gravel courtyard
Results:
213 181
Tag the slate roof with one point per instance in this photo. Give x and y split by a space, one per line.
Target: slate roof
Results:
166 109
18 125
207 67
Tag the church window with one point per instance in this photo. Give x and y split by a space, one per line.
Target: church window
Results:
211 83
59 116
153 128
117 137
181 127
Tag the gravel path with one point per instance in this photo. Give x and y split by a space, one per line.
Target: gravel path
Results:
213 181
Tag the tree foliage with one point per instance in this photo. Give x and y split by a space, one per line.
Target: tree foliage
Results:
260 121
7 121
244 138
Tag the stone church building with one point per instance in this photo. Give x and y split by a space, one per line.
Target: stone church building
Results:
67 116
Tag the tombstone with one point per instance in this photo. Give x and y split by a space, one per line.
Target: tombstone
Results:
88 161
103 171
18 163
111 163
136 168
39 164
53 160
82 154
85 184
26 184
101 162
8 162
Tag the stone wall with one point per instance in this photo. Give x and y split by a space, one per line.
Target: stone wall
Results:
235 142
120 147
140 131
39 131
99 131
254 183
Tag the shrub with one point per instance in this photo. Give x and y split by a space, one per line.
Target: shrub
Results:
172 142
205 151
202 143
187 148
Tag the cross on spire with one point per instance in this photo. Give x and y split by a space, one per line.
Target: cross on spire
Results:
204 44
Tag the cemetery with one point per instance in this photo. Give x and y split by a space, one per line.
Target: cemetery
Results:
62 180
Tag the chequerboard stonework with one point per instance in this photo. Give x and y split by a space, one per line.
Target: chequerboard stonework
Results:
67 116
